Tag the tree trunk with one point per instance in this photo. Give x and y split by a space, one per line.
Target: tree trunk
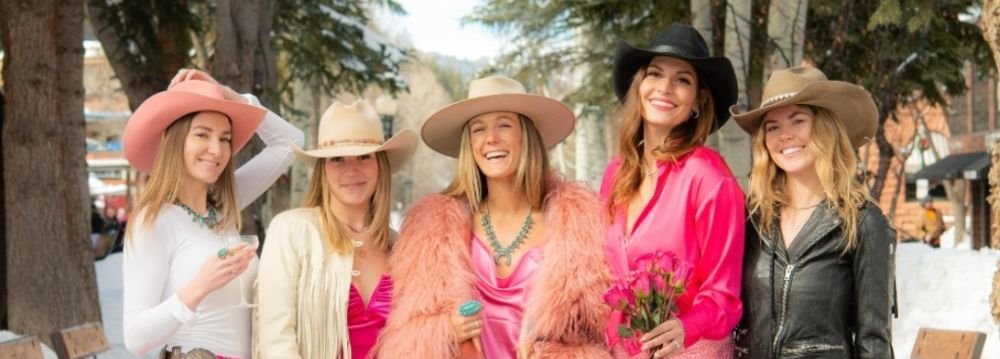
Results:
138 84
733 142
786 29
50 271
245 61
701 19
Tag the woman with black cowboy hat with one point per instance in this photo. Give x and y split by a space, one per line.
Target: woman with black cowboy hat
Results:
667 191
818 272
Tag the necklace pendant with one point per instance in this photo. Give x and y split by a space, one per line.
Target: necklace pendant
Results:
506 257
360 252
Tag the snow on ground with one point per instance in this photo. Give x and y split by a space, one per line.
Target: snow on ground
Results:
944 288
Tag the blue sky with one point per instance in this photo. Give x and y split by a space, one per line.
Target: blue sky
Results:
435 26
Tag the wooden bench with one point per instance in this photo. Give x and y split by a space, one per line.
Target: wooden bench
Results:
80 341
952 344
21 348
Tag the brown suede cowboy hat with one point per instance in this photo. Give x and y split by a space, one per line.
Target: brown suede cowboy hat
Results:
682 42
852 104
354 130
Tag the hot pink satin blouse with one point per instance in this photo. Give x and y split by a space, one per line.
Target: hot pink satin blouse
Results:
503 299
364 324
697 212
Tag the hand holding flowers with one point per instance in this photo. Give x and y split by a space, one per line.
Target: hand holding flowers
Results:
645 303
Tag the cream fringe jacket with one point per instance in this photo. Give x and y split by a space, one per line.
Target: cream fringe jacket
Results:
303 290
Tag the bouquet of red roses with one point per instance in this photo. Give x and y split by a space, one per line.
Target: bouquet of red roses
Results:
646 297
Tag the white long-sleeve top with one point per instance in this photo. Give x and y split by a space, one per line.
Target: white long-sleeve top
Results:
162 258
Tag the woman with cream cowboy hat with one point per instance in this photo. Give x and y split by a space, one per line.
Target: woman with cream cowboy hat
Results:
523 243
818 272
667 191
179 270
323 287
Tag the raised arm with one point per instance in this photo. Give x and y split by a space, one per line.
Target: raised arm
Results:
258 174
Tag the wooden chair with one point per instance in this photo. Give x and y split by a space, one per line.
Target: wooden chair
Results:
21 348
80 341
952 344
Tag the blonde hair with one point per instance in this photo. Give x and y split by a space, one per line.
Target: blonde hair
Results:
320 198
532 175
836 165
164 184
682 139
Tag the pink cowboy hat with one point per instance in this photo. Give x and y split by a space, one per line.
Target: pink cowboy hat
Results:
142 134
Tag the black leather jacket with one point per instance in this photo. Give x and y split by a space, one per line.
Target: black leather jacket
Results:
812 301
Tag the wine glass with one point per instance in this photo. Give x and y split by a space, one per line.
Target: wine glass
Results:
252 243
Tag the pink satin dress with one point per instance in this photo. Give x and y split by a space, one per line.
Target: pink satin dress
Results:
504 299
364 324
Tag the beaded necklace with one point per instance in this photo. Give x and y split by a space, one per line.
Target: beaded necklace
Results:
499 251
208 220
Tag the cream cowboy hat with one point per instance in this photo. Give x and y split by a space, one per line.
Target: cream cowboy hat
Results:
442 131
141 138
355 130
852 104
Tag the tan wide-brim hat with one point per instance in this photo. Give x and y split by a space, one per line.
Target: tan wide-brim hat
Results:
143 131
852 104
442 131
355 130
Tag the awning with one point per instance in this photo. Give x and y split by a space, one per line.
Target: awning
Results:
957 166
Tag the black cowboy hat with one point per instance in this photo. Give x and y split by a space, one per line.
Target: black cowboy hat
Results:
683 42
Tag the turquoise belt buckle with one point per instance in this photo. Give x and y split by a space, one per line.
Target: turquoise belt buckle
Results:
470 308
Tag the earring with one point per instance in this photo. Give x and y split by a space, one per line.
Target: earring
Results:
695 114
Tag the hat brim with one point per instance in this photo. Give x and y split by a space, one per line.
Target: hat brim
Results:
143 131
852 105
442 131
399 149
716 72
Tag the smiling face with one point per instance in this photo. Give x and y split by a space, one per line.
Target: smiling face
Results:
496 144
207 147
668 92
787 133
352 179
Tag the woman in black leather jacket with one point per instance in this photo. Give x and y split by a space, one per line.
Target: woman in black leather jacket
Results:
819 265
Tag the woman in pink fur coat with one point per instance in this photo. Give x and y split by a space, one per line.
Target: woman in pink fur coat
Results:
524 243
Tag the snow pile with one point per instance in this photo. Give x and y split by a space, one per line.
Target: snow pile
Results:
944 289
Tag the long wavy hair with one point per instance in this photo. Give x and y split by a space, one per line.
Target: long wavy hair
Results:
531 178
682 139
333 229
164 184
836 165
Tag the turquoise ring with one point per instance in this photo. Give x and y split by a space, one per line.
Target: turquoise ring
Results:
223 253
470 308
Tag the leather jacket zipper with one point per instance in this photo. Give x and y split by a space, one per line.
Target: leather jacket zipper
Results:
784 307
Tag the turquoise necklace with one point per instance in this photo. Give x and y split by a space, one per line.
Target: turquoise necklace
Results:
500 251
208 220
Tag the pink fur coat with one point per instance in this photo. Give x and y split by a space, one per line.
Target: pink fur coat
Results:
432 273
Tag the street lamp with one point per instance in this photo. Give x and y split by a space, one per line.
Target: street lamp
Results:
386 107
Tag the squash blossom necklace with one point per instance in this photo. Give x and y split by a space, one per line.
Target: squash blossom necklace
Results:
499 251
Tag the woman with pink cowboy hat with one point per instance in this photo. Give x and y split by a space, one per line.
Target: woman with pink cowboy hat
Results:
667 192
324 289
180 264
818 271
506 262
